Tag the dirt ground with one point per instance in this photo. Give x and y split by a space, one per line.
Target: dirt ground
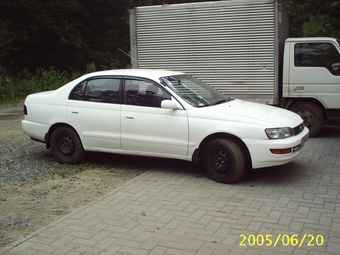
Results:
27 207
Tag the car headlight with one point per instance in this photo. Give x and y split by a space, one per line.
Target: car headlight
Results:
279 133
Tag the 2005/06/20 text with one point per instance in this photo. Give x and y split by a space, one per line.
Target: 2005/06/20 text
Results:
285 240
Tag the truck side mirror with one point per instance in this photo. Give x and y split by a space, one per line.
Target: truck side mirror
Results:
335 66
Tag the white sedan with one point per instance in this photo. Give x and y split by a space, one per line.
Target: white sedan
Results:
164 114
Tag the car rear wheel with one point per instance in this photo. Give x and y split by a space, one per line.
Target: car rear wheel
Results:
224 160
66 146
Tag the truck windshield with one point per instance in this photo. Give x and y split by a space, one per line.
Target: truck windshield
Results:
194 91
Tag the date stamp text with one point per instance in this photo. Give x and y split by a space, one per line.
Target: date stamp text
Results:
285 240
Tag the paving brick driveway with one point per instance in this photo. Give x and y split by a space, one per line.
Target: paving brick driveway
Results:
291 209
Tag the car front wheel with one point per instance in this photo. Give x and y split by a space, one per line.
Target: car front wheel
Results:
66 146
223 160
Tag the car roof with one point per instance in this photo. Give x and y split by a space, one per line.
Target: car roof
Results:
154 74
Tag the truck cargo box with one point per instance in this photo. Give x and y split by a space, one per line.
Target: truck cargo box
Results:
235 46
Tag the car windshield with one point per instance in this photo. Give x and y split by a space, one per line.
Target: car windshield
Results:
194 91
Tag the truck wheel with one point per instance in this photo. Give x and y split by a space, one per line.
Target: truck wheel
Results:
311 114
66 146
223 160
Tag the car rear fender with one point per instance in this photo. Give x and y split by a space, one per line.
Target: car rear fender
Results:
51 130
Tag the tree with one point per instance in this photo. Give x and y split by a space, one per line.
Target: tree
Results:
69 34
314 18
66 34
105 29
41 34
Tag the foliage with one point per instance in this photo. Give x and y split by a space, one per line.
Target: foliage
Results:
314 18
65 34
68 34
41 42
91 67
17 88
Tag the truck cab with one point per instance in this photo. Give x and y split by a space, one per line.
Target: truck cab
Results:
311 80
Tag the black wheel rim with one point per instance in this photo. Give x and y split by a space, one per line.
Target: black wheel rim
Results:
219 162
66 145
307 118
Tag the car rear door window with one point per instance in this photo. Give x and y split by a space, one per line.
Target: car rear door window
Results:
97 90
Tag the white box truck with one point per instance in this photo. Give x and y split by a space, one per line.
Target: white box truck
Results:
241 47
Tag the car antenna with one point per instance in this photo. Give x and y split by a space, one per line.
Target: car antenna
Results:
131 57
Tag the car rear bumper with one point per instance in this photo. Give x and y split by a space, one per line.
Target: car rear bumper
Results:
35 130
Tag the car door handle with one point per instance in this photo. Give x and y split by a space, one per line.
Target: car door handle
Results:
74 112
299 88
129 118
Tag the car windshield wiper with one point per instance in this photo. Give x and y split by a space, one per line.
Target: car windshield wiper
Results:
228 99
220 101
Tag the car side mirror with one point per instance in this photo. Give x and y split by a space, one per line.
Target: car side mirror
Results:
170 104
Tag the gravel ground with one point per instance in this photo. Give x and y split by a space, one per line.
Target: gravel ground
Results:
35 190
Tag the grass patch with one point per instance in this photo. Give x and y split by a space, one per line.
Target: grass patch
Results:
66 170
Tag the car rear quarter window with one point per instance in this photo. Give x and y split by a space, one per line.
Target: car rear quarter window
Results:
97 90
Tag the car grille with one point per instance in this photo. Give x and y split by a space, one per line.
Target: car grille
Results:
298 129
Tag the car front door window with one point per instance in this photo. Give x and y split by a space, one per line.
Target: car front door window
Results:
144 93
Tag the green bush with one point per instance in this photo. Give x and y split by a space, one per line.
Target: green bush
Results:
13 89
91 67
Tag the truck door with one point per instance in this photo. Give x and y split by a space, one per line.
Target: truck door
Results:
316 73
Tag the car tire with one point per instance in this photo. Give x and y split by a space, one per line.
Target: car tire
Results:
223 160
66 146
311 114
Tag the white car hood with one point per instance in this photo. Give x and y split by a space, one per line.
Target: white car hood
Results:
239 110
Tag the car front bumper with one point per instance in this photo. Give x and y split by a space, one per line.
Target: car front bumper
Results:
272 152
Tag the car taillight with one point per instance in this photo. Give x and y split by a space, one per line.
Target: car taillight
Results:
25 110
